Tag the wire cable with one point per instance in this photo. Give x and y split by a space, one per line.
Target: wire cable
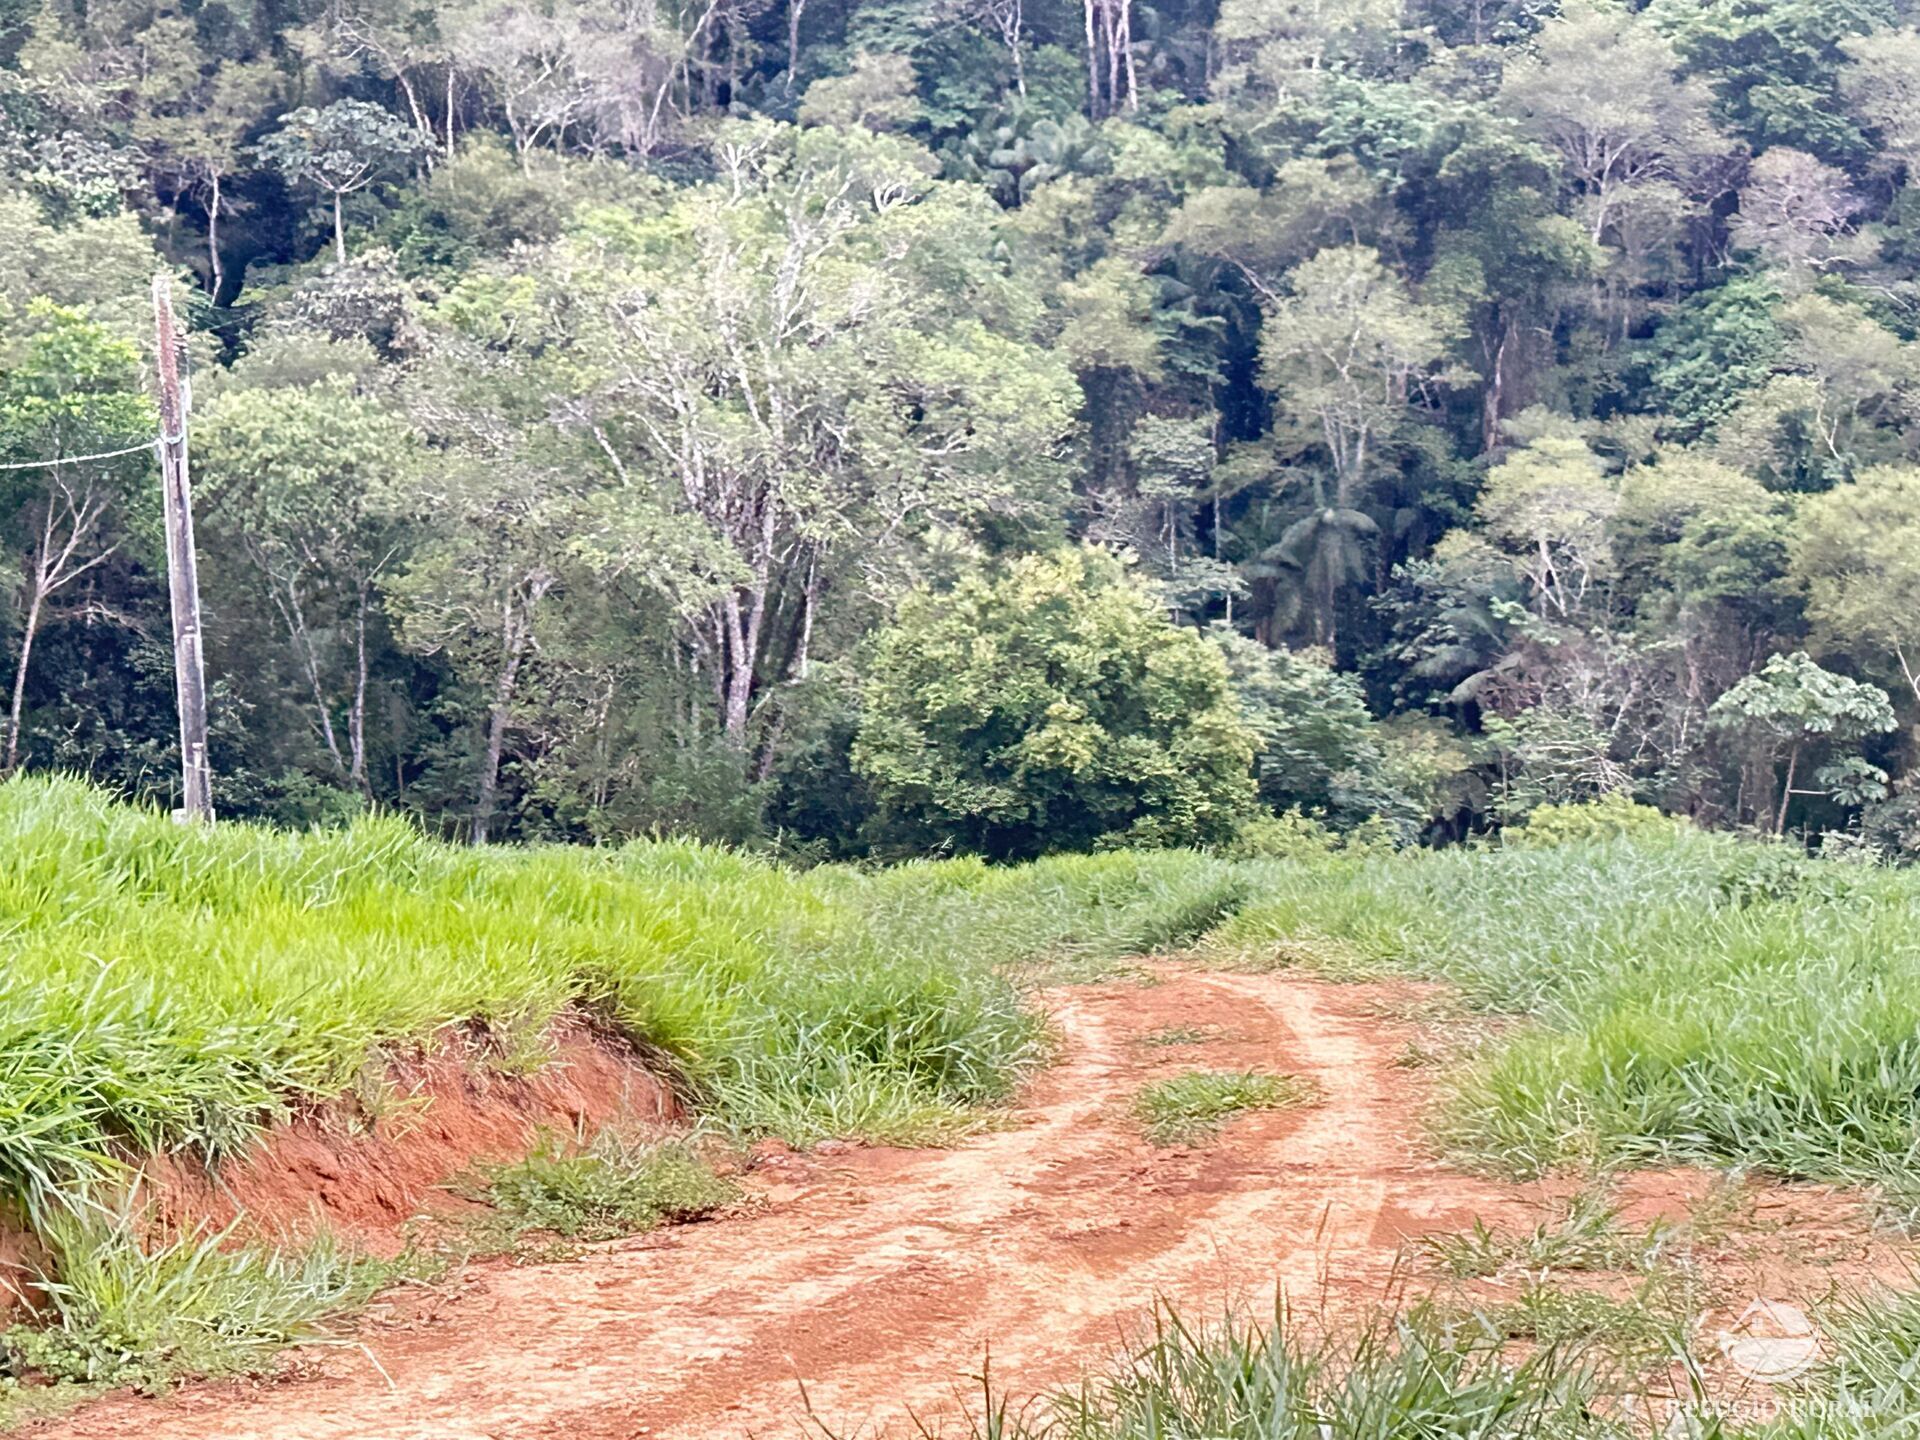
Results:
80 459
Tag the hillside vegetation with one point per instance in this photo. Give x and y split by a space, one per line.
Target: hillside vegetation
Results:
617 419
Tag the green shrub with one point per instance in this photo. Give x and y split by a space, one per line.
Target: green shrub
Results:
1293 836
1603 819
1053 707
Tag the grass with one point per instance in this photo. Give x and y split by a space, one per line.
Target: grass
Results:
128 1306
1187 1108
1586 1235
173 988
615 1185
1553 1364
1696 997
176 989
1171 1036
1416 1375
1691 997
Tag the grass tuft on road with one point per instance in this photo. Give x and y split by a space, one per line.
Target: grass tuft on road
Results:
613 1186
1189 1108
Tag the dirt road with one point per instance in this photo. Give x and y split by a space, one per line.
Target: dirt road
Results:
877 1279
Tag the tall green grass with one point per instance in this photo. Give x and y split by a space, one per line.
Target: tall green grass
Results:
1417 1375
1698 997
171 988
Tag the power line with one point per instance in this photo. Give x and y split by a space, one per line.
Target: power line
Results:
80 459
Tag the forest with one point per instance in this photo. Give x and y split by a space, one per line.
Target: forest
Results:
870 427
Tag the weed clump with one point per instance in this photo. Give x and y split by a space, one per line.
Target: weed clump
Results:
1417 1374
1586 1235
114 1308
1184 1109
614 1186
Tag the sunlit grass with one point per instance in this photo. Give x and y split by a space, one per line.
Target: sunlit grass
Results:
1192 1106
1696 998
170 988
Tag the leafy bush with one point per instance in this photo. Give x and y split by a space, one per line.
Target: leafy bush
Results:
1892 827
1602 819
1052 707
1293 836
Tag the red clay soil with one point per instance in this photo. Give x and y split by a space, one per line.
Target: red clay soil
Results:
872 1282
364 1171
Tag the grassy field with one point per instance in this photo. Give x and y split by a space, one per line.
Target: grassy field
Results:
1695 997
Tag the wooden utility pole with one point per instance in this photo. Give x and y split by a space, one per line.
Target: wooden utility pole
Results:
183 579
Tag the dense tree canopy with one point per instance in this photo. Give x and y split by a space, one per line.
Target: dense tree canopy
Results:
622 417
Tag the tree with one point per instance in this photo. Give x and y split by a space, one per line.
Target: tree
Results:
1549 504
490 559
339 151
1343 352
1320 749
1600 86
197 136
1794 209
1857 553
68 389
812 409
1052 707
1279 51
1775 67
1882 87
1791 703
303 483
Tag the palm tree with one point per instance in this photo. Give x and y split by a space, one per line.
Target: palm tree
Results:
1322 552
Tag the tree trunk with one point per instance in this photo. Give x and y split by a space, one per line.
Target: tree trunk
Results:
496 742
357 716
1786 794
214 267
339 231
1093 63
32 628
794 9
739 687
1494 400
